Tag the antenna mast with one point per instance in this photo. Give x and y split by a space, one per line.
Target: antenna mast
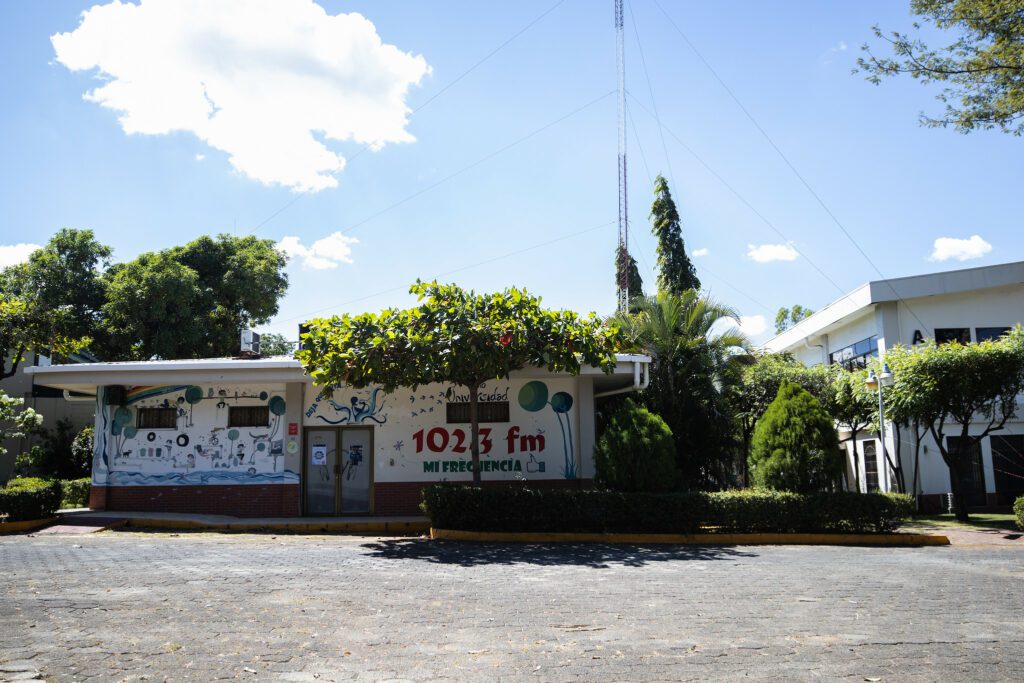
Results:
623 247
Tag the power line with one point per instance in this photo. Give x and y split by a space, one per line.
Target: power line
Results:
742 199
654 103
456 270
785 159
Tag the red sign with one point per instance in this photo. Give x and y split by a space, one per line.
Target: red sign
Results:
293 428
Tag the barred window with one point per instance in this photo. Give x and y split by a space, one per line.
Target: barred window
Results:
248 416
489 411
157 418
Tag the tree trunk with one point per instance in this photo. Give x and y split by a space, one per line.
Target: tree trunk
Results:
954 461
917 464
856 460
15 362
474 429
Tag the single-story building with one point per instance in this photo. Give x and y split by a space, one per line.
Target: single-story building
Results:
967 305
256 438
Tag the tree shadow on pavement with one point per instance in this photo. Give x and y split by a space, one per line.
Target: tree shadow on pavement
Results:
595 555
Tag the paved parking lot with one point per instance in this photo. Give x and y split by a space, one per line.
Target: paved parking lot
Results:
147 606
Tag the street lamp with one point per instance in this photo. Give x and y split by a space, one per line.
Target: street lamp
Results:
876 383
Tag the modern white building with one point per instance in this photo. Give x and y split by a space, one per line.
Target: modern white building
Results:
968 305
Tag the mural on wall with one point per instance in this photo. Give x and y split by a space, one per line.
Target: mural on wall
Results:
200 449
414 441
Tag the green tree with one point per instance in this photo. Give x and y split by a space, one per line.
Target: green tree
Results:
273 344
636 452
693 364
853 406
16 421
954 387
787 317
982 68
676 273
636 283
192 301
454 336
795 446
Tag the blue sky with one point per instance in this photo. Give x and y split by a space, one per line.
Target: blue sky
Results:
538 214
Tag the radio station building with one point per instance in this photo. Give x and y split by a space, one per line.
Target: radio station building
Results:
256 438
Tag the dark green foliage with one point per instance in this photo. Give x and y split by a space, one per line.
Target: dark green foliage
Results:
29 498
795 446
676 273
511 508
273 344
1018 509
636 283
82 452
57 456
787 317
636 452
75 492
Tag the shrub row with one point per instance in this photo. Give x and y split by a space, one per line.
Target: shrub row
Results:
29 498
591 511
1018 509
75 492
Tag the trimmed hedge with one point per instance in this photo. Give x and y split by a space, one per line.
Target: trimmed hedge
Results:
591 511
1018 509
29 498
75 492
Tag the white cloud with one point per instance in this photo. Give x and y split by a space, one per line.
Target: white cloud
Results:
946 248
753 325
13 254
324 254
200 157
266 81
766 253
703 251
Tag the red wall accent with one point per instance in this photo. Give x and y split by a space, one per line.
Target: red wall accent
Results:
404 498
275 500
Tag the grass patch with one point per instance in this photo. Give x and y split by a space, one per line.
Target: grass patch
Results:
979 520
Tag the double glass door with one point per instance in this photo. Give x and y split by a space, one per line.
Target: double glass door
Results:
337 470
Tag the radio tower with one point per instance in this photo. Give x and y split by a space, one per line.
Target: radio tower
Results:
623 247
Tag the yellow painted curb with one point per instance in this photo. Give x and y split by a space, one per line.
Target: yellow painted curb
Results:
27 525
403 528
899 540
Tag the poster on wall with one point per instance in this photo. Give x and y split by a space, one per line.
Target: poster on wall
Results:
319 455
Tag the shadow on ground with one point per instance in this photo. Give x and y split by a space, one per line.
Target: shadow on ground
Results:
595 555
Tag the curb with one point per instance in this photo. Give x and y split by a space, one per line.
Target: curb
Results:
26 525
890 540
388 528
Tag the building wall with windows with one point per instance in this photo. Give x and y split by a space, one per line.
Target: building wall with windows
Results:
968 305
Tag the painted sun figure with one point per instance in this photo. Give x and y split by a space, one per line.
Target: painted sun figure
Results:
398 446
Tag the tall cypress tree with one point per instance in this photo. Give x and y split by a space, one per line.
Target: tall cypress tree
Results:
675 271
636 283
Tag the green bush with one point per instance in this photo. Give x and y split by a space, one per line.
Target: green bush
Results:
29 498
75 492
636 452
509 508
795 446
1018 509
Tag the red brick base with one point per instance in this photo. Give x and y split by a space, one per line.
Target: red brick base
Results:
404 498
274 500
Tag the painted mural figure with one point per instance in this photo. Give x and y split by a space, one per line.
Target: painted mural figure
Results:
357 412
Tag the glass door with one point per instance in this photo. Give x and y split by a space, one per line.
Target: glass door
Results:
356 461
321 472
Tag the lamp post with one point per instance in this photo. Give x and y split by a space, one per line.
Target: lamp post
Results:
876 383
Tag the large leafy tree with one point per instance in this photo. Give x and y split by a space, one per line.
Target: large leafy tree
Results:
982 68
967 391
454 336
695 352
853 406
676 273
795 446
15 420
191 301
785 318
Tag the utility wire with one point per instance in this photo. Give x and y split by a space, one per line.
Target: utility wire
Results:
457 270
788 163
433 97
742 199
654 103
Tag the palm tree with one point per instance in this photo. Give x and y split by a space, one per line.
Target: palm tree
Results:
696 348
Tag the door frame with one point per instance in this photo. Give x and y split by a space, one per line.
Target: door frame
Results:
369 458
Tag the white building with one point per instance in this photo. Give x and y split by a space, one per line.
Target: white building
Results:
967 305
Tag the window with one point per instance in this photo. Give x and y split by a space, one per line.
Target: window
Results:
945 335
1008 467
855 356
157 418
489 411
248 416
870 466
989 333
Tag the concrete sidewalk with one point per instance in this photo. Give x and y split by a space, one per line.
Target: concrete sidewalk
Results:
398 526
